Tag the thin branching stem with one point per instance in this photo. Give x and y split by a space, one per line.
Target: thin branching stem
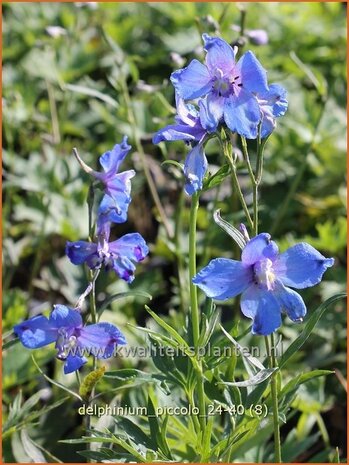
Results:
195 314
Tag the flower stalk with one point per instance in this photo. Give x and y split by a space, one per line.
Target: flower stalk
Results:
195 315
270 349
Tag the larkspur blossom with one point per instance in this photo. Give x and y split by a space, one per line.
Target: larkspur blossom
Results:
188 126
272 104
117 186
65 327
262 277
229 88
189 129
118 255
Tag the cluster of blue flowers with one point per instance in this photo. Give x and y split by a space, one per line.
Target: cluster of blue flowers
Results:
223 93
64 325
235 95
118 255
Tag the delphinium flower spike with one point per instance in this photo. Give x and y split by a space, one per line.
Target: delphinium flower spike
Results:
117 255
73 340
262 277
117 186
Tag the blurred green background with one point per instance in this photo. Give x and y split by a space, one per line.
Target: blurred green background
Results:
76 75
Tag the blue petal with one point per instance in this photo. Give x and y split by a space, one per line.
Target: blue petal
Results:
65 317
223 278
193 81
253 75
119 187
132 246
112 159
80 252
211 112
101 339
259 248
268 124
187 113
242 114
113 210
179 132
291 302
262 307
129 248
301 266
124 268
272 104
35 332
276 99
195 168
73 363
220 55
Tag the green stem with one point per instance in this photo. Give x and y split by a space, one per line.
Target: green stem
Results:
242 20
195 316
226 148
269 348
92 290
239 192
192 268
179 255
274 396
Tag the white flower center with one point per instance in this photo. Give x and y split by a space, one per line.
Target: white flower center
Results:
64 344
264 273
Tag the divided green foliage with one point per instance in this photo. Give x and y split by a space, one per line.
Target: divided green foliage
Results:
66 88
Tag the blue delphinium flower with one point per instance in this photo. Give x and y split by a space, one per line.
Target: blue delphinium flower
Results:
272 104
188 126
190 130
195 167
117 186
65 327
229 87
118 255
263 276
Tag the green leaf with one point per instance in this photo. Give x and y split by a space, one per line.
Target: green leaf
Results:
303 378
153 421
253 361
309 326
256 379
22 415
9 344
31 448
257 393
168 328
155 429
217 178
134 432
107 439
